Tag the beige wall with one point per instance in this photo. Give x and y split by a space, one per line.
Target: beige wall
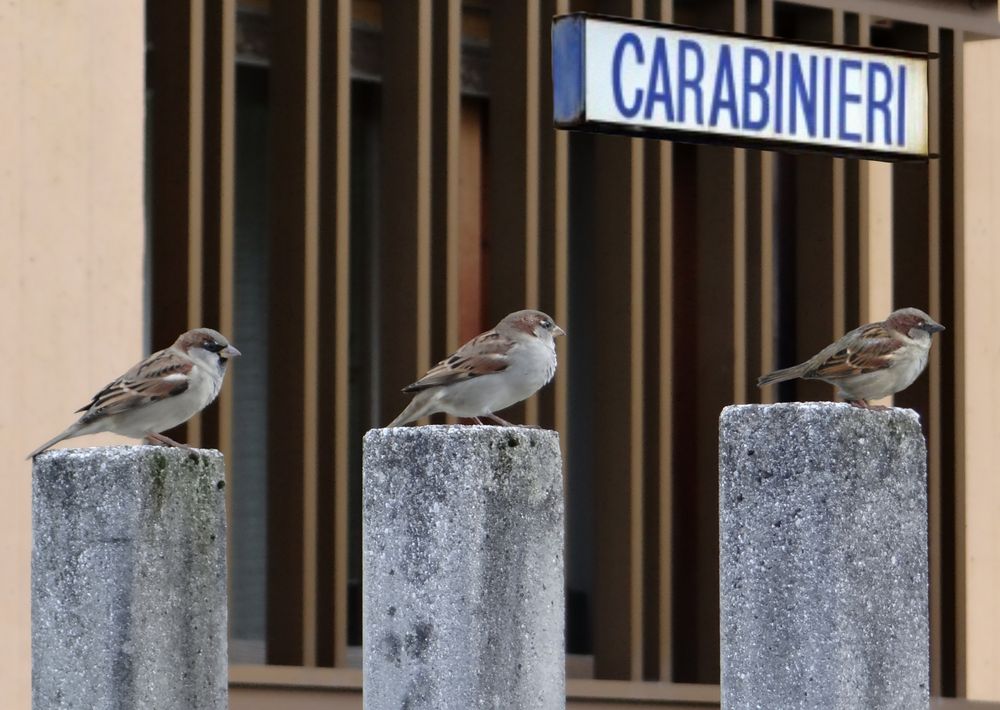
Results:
71 240
979 384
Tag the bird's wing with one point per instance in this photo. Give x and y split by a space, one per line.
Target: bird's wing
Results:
161 375
486 354
873 349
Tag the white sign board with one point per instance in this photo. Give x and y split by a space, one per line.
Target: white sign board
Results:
639 78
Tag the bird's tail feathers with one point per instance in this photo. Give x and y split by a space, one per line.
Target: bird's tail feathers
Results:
73 430
419 406
789 373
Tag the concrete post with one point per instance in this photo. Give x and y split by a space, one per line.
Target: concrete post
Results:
128 576
823 536
463 569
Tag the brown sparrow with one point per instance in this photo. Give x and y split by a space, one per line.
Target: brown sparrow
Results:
872 361
489 373
164 390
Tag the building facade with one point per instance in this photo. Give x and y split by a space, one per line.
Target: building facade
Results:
350 189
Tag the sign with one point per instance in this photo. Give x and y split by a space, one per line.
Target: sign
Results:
642 78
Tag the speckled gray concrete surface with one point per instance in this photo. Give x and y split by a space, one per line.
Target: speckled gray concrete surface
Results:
463 569
823 536
129 579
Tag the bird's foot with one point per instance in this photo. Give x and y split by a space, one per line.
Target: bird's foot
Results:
498 420
164 440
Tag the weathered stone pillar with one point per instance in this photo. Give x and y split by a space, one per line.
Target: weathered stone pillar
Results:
128 576
823 536
463 569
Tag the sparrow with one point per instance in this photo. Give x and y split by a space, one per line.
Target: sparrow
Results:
164 390
872 361
489 373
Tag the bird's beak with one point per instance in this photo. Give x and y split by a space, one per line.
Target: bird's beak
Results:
229 352
933 327
558 331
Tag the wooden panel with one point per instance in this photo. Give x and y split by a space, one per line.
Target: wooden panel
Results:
768 295
838 234
615 310
404 242
333 460
980 377
469 279
934 442
739 225
512 178
447 136
664 429
219 202
876 228
294 321
176 75
553 217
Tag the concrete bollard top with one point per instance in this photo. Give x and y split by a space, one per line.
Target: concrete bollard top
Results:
129 579
463 568
823 557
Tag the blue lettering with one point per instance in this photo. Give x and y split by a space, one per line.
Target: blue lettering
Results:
827 73
779 64
659 76
800 94
629 38
758 87
685 82
724 80
879 104
846 97
901 113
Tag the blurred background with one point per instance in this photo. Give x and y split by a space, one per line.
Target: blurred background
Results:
350 189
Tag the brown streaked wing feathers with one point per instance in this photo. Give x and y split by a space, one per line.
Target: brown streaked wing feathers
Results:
143 384
880 348
485 354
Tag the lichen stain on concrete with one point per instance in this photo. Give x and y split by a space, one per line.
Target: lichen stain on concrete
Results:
419 640
393 648
158 472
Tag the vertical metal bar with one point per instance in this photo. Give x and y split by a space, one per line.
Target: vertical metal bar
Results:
665 430
513 171
636 402
958 181
195 148
768 312
310 403
336 147
449 15
739 247
612 190
423 29
876 225
839 223
220 152
561 239
405 240
531 177
934 369
177 32
637 328
292 449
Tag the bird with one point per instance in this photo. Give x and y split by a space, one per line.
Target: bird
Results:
158 393
872 361
491 372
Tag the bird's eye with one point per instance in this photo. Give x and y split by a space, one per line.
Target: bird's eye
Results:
212 346
547 324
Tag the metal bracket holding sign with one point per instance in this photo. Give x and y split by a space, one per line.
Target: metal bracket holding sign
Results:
614 75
